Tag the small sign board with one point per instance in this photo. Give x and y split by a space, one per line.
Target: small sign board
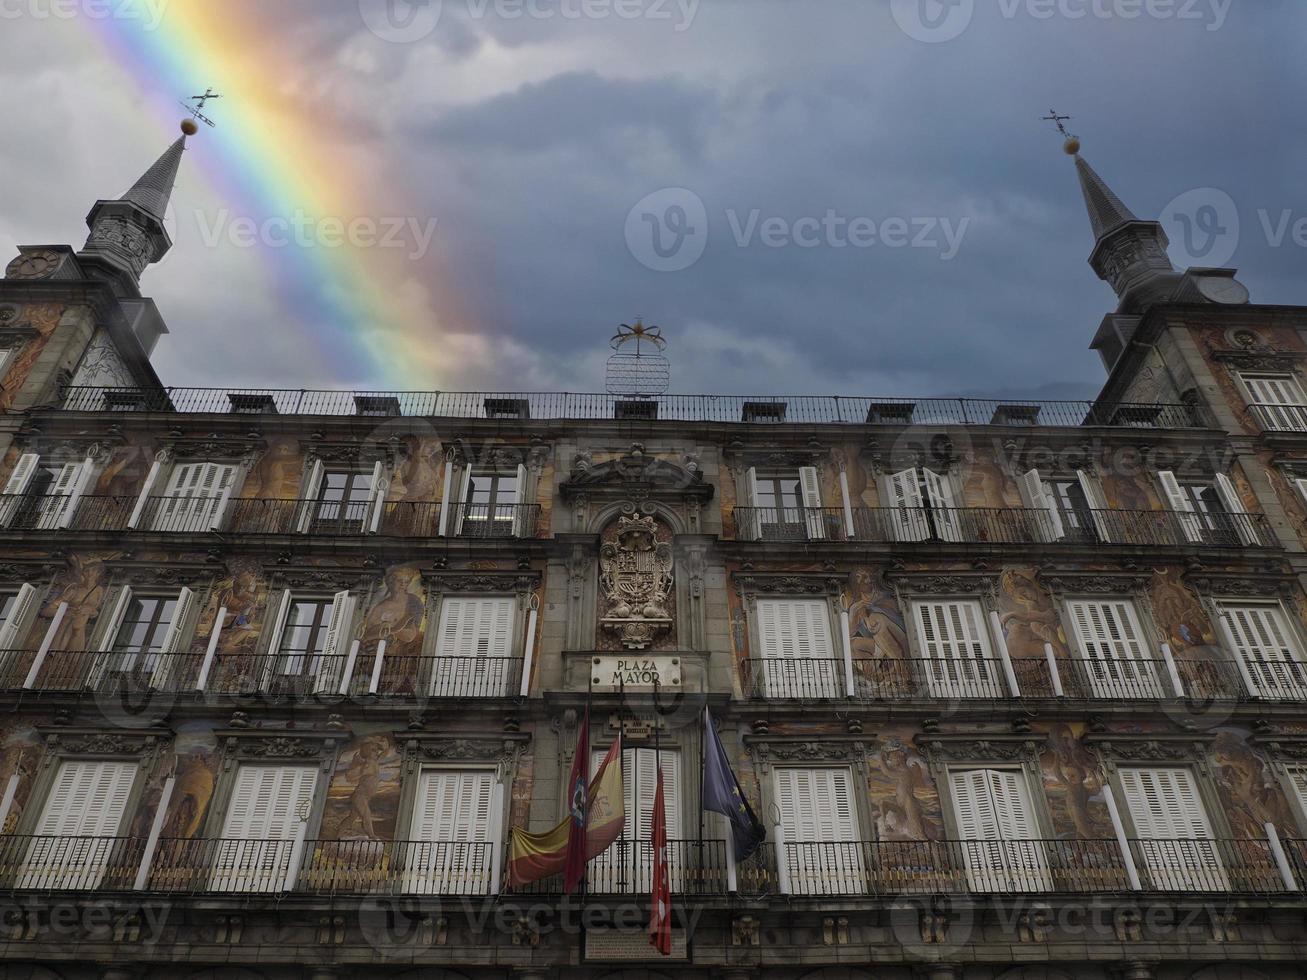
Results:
627 945
635 672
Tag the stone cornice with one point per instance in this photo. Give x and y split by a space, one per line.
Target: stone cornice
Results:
981 746
1069 580
749 583
1150 746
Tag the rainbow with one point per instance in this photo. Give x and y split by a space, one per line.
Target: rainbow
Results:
356 307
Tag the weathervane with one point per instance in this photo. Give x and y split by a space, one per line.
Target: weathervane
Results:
1072 144
197 109
642 371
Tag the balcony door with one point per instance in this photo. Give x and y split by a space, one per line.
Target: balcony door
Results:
999 836
627 865
1113 654
921 505
1280 400
195 498
1174 834
76 838
955 647
822 851
798 657
1265 643
269 805
474 648
143 638
452 834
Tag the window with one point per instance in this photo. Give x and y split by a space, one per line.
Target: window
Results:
1066 511
269 808
16 609
489 505
1211 511
955 651
627 866
474 648
44 494
342 500
797 657
194 499
1114 659
1297 778
1265 642
453 833
1277 401
6 357
786 505
1175 837
74 841
310 637
143 636
820 850
921 505
1000 837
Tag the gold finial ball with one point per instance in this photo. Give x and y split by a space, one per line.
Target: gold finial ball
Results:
1072 146
189 128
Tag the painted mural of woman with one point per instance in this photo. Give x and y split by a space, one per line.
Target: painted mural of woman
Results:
1027 615
1251 794
1074 772
905 816
1178 612
397 617
82 587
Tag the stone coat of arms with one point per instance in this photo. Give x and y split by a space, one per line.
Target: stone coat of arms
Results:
635 576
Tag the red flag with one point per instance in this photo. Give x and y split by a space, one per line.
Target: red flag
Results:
660 911
577 790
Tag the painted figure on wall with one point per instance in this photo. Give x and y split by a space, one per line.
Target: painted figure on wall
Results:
363 800
1074 786
276 474
399 617
196 770
878 636
83 587
1179 614
904 800
1251 794
1027 616
985 483
419 472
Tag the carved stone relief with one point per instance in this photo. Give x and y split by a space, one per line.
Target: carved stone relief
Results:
635 582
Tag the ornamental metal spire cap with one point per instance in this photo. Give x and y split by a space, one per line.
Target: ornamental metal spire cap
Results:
1106 211
154 188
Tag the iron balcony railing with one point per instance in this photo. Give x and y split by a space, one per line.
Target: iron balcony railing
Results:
694 868
493 520
1280 418
1003 525
986 678
514 406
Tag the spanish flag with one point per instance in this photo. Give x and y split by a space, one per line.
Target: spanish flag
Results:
535 856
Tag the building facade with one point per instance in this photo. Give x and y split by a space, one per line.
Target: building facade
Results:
1018 688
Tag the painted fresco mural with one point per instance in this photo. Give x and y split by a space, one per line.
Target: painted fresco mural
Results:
398 615
43 318
1027 616
1179 615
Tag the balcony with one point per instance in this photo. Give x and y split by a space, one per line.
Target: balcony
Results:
1279 418
1003 525
801 409
985 679
848 869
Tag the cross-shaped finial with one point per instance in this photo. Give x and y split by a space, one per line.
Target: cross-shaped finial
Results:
1057 121
199 100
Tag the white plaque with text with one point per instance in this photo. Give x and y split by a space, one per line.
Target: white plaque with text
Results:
634 672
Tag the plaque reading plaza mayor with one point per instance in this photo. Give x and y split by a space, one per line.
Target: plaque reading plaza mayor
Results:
630 673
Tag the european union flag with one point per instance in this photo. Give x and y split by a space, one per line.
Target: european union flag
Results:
722 794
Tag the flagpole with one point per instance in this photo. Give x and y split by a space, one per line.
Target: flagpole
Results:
703 764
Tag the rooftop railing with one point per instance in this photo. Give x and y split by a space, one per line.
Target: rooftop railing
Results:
521 406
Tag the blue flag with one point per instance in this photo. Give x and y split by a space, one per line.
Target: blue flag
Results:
722 794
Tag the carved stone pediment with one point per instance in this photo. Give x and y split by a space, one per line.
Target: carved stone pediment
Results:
980 747
34 569
465 748
1259 359
636 474
325 577
1131 747
215 446
979 583
786 583
1254 585
1290 748
491 582
1064 581
146 573
354 452
801 748
95 742
253 743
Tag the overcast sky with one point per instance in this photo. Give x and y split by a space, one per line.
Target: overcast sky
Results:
883 213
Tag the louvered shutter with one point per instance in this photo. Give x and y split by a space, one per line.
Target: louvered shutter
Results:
279 614
798 659
1298 784
1115 658
1301 484
1173 830
948 522
1097 503
143 500
20 480
823 853
87 801
53 506
308 506
749 527
628 864
19 618
810 486
262 822
196 497
174 641
1235 510
1181 506
999 832
1265 643
463 502
1281 400
1037 498
106 660
519 498
327 677
376 499
450 840
473 647
219 487
901 494
955 649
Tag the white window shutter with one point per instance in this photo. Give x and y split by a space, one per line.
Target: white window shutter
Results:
19 618
1097 502
117 613
901 493
955 647
1037 498
151 481
87 800
1298 783
463 502
309 502
1301 485
451 833
1115 655
337 641
20 480
818 815
221 487
1280 398
519 498
948 522
76 490
376 498
750 528
262 821
1001 837
1181 505
174 640
277 621
477 634
1171 823
810 486
51 507
796 649
1234 507
1266 644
